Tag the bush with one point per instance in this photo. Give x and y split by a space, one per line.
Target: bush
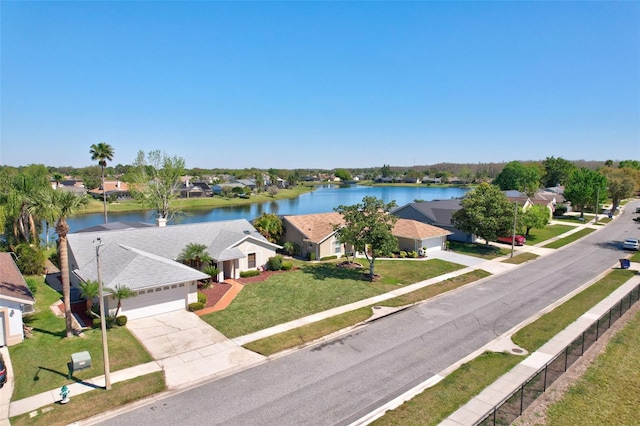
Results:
287 266
403 254
249 273
196 306
329 257
33 285
413 254
560 210
312 256
274 263
121 320
202 298
30 259
96 323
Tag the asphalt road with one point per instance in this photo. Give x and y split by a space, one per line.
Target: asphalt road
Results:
339 381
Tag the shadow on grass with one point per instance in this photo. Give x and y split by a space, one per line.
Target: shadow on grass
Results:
61 334
332 271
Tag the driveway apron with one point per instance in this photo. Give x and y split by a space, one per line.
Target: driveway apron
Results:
189 349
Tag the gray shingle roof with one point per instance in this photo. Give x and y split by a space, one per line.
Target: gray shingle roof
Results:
146 256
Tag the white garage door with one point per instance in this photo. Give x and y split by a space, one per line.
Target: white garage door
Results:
154 301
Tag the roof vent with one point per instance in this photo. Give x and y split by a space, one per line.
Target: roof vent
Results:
247 232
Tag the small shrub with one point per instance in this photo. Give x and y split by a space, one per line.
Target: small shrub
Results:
403 254
286 266
329 257
312 256
274 263
413 254
249 273
202 298
560 210
30 259
196 306
96 323
33 285
121 320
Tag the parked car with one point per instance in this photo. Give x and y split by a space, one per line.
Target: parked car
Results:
631 244
519 240
637 209
3 372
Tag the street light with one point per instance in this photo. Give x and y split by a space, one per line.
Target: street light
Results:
597 203
103 323
515 217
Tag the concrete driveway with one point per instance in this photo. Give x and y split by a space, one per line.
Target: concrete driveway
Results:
188 349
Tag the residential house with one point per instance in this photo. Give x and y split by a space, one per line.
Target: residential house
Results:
195 190
316 233
112 188
437 213
220 187
15 299
249 183
145 259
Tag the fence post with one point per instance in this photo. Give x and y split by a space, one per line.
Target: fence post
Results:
597 329
566 357
546 366
582 350
521 398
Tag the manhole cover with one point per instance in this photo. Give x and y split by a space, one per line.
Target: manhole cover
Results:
377 307
516 350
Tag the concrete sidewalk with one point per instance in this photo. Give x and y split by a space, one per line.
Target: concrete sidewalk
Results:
201 364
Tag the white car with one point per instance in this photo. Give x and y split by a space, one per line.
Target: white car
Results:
631 244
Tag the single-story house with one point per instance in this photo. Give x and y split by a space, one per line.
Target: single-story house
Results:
249 183
437 213
315 233
219 188
195 190
112 188
145 259
15 299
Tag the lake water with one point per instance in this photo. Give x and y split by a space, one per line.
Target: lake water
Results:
323 199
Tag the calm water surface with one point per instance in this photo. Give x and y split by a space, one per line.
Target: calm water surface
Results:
322 200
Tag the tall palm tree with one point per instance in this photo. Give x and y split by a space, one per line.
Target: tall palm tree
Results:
102 152
41 208
63 204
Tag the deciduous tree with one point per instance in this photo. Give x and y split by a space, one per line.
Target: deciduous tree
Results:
582 188
485 212
556 171
368 229
155 182
516 175
535 217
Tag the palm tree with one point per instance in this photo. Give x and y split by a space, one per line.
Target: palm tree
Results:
89 290
195 253
63 204
213 272
120 292
269 225
40 207
102 152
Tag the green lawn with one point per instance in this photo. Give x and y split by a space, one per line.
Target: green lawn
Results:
538 235
521 258
575 219
478 250
96 206
436 403
315 288
608 392
40 363
569 239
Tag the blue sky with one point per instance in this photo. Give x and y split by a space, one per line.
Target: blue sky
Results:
319 84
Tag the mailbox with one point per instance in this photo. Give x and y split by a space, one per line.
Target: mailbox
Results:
80 361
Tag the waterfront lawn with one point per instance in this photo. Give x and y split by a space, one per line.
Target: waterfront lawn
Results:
315 288
96 206
40 363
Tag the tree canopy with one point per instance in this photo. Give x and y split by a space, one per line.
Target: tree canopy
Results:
155 181
516 175
583 187
536 216
556 171
368 229
622 183
269 225
102 152
485 212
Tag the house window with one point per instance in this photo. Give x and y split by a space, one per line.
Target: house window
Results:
337 249
251 260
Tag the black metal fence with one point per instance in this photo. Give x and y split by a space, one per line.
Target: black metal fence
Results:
512 407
